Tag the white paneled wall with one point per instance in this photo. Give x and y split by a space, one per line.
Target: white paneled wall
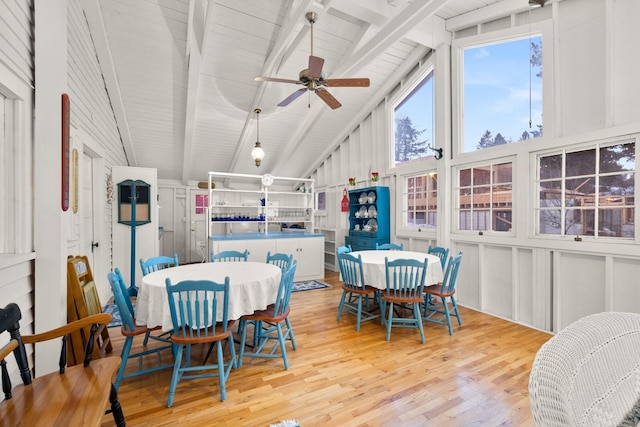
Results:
543 282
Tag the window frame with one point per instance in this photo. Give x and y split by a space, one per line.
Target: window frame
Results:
563 150
401 191
407 86
455 211
524 29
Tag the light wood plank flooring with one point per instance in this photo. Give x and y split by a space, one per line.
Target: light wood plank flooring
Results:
340 377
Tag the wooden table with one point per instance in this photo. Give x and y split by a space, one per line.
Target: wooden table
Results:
374 271
252 286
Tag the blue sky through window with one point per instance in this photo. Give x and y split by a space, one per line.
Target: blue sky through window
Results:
496 91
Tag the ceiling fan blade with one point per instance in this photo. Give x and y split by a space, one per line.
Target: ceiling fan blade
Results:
315 66
292 97
275 79
328 98
347 82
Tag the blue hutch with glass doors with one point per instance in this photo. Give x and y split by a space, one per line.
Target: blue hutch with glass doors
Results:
368 218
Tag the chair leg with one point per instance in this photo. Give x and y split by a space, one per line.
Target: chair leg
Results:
283 347
341 305
455 307
221 372
242 330
418 318
447 314
359 313
116 408
175 375
126 350
389 321
290 333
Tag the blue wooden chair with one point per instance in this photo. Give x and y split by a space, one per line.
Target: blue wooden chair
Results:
405 287
130 330
196 306
123 286
445 291
270 324
158 263
389 247
354 287
230 256
279 259
440 252
343 249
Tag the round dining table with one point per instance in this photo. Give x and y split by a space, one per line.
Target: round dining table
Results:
252 286
374 269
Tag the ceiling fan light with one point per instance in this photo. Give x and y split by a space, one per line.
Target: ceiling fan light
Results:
257 153
536 3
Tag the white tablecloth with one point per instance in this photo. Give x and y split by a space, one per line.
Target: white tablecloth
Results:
374 269
252 286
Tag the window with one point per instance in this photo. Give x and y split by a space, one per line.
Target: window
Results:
413 123
502 91
485 197
421 201
579 189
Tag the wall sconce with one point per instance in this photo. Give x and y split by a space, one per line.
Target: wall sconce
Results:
437 152
257 153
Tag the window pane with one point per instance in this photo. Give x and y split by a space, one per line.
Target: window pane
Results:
579 191
551 166
413 121
498 79
481 176
581 163
617 158
502 173
618 185
550 194
465 177
549 221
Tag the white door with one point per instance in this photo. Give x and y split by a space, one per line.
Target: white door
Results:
89 244
197 217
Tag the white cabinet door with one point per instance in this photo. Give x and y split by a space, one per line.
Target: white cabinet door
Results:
309 252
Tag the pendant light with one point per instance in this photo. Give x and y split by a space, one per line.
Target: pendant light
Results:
257 153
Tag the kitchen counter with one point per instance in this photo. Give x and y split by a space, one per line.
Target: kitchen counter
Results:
263 236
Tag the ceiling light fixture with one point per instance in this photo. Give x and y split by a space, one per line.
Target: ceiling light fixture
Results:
536 3
257 153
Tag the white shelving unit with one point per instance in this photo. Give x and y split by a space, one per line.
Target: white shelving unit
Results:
333 237
263 200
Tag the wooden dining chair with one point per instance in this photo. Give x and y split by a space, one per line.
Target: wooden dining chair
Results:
445 292
440 252
230 256
74 396
158 263
195 306
405 288
271 323
280 259
355 292
389 247
130 330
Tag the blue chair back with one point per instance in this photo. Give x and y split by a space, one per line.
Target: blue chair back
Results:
158 263
232 256
121 298
279 259
196 305
405 277
281 305
389 247
351 269
343 249
441 253
124 291
451 275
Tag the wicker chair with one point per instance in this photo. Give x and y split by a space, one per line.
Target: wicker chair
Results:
589 373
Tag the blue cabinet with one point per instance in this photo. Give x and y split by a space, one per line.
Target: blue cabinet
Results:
368 218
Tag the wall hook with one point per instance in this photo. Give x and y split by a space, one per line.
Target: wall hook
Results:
438 152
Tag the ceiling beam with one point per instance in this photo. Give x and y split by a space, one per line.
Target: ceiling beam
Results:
99 35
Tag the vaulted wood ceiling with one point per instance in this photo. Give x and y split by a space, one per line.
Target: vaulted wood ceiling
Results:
180 74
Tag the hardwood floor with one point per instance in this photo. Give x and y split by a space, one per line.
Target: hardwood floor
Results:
339 377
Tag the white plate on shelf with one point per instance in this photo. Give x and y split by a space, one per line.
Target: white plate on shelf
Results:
364 213
373 224
371 197
362 198
373 213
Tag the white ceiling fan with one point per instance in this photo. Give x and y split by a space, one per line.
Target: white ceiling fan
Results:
312 78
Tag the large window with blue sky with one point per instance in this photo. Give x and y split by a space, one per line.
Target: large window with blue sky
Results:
413 123
502 93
